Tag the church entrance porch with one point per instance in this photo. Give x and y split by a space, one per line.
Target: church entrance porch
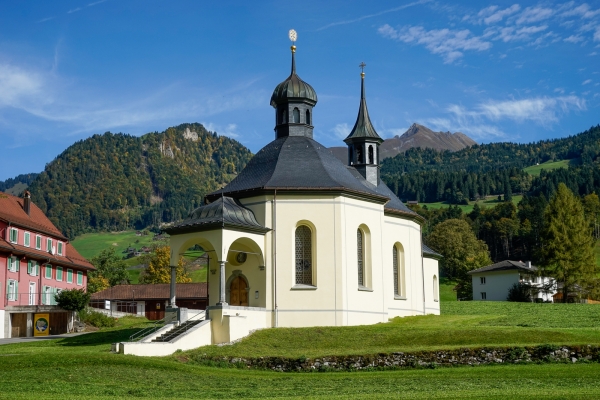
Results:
238 292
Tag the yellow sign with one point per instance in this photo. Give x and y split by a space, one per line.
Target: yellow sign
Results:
41 325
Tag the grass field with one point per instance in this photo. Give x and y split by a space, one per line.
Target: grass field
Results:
446 290
82 367
490 202
90 245
548 166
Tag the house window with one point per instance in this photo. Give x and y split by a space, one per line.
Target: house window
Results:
48 271
69 275
483 296
307 117
60 248
13 235
482 280
303 255
296 115
59 273
38 242
398 267
31 293
13 264
360 256
436 293
48 244
32 267
79 278
27 239
12 290
46 293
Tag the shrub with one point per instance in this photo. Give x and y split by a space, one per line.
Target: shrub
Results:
95 318
72 299
519 293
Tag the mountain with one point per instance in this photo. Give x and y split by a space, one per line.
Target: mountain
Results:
118 181
18 184
416 136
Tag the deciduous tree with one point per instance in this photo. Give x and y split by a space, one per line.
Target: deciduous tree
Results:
159 268
109 266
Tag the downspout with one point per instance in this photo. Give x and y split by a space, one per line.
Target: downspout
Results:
274 240
423 272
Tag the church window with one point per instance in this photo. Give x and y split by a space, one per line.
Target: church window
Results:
399 271
360 257
303 255
296 115
350 155
307 117
283 116
371 155
436 293
359 155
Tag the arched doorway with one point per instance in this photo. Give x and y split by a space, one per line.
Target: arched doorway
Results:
238 292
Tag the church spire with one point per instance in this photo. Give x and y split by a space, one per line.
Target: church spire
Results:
363 141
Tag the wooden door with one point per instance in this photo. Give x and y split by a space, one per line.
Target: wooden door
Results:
19 325
238 295
155 310
59 322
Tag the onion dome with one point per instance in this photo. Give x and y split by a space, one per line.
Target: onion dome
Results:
293 89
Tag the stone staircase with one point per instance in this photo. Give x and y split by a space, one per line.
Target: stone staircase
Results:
178 330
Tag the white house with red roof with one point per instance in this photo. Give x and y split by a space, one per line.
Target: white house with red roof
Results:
36 262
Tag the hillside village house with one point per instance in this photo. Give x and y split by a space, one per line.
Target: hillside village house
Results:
493 282
301 239
36 262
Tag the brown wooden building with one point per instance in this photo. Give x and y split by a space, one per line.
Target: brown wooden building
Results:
151 300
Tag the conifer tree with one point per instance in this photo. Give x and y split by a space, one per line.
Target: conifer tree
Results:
567 251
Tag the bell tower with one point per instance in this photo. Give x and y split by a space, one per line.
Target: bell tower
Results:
363 141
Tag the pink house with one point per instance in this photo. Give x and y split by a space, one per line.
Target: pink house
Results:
36 262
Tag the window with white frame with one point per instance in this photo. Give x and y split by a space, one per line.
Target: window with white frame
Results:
436 289
69 275
38 242
59 273
13 235
59 248
48 244
483 295
46 300
48 274
482 280
304 256
360 257
79 278
13 264
32 267
398 268
12 290
27 239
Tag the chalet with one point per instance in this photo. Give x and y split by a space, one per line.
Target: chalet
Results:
150 300
36 262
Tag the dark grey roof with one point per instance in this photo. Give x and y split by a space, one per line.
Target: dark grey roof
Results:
223 212
293 88
296 163
430 253
505 265
363 128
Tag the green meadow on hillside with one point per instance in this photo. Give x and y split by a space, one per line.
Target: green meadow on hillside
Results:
82 366
489 202
547 166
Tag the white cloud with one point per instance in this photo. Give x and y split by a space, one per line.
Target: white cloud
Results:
582 11
476 131
448 43
597 35
18 85
534 14
586 82
574 39
540 110
341 130
511 34
229 130
492 15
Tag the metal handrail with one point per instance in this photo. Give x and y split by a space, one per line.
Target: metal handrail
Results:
200 314
147 331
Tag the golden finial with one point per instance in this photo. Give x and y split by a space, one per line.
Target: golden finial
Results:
362 66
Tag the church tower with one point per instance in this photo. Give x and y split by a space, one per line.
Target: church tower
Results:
293 100
363 142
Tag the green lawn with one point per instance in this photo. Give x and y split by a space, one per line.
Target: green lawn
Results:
548 166
489 202
447 292
82 367
90 245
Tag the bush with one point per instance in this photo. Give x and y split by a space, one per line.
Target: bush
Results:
520 293
72 299
95 318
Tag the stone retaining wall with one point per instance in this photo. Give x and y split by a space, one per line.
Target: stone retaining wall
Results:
422 359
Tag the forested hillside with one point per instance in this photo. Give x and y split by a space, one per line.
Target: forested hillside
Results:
119 181
16 185
494 169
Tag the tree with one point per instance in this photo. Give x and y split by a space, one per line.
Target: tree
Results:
159 268
97 283
110 267
519 292
72 299
567 252
462 252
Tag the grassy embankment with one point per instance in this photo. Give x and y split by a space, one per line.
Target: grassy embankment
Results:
82 367
90 245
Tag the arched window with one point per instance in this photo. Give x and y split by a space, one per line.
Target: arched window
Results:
360 242
350 155
303 256
371 155
398 267
359 155
307 117
296 115
436 293
284 116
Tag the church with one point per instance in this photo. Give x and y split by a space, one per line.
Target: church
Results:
301 239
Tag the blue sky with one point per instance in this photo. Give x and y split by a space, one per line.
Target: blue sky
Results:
497 71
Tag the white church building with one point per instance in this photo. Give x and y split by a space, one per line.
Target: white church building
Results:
299 239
